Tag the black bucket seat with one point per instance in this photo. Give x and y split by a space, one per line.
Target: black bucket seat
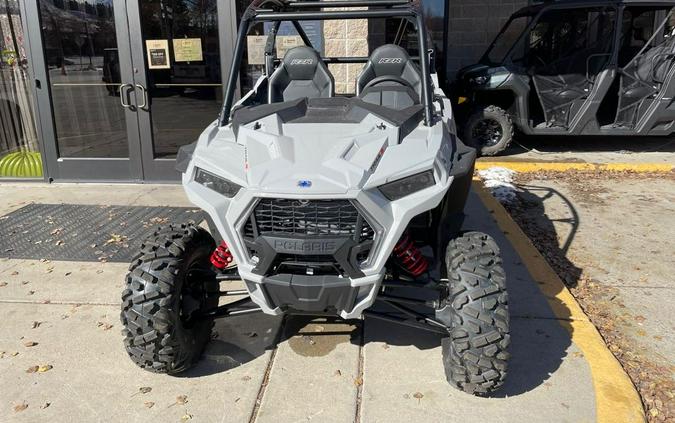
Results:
390 66
302 73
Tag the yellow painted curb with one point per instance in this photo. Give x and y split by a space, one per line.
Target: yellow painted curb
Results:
563 166
615 396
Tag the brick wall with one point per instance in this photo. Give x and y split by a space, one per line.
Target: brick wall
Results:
344 38
472 25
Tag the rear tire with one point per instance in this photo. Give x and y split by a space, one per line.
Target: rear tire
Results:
475 354
161 298
489 130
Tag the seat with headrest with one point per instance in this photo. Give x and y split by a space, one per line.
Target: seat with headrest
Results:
302 73
389 60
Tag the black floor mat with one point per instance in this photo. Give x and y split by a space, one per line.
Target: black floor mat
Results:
74 232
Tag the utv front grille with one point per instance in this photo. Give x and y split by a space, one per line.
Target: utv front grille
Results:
308 220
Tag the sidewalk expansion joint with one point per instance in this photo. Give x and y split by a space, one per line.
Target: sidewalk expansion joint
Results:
360 372
268 371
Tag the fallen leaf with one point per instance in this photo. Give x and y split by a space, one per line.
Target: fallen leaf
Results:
182 399
149 404
30 344
358 381
20 407
45 368
105 326
186 417
32 369
45 405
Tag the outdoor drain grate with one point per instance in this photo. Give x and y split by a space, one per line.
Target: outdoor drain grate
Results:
73 232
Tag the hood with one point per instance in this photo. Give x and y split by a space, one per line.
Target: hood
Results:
324 157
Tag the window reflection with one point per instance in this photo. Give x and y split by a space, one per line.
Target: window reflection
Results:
81 55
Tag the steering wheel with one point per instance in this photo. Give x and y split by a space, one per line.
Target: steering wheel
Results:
388 78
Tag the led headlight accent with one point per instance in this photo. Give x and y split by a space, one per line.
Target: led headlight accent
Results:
216 183
406 186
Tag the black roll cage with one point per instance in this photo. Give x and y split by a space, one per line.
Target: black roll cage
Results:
297 10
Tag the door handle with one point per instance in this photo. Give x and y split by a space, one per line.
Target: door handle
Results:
145 96
123 93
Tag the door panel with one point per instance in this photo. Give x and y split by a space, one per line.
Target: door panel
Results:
646 57
183 89
568 49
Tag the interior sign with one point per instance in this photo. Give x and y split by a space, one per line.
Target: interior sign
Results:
187 50
255 46
158 54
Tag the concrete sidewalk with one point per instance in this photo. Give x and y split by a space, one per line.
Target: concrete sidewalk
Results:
258 368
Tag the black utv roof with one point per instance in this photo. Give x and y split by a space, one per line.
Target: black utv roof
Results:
536 7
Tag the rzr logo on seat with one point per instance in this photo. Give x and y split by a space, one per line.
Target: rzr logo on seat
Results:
302 62
390 60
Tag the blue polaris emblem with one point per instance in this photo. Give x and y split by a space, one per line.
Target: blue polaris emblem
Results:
304 183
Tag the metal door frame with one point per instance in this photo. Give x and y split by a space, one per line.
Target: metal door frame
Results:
79 169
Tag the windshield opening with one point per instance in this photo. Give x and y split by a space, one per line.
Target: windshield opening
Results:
505 40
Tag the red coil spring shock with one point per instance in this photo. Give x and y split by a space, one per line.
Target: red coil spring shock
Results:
221 256
409 257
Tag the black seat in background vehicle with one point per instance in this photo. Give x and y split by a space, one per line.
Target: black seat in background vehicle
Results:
302 73
642 78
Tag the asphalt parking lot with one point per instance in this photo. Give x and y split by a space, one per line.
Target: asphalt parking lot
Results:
65 315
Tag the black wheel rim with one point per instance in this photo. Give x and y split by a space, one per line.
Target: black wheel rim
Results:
488 132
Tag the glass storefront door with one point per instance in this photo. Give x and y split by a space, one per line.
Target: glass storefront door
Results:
86 77
177 65
127 83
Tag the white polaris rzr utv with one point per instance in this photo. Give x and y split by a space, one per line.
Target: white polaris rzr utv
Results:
327 205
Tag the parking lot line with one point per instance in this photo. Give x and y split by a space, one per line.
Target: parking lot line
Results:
616 397
564 166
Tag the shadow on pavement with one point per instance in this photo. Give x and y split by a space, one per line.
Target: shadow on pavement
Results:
559 144
235 341
539 340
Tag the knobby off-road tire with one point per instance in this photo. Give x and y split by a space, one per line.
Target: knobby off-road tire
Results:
475 354
158 334
490 115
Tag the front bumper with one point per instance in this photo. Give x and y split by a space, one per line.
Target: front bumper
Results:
346 295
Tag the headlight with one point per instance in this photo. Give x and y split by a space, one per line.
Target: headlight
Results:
216 183
406 186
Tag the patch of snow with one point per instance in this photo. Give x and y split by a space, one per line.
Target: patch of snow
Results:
499 180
